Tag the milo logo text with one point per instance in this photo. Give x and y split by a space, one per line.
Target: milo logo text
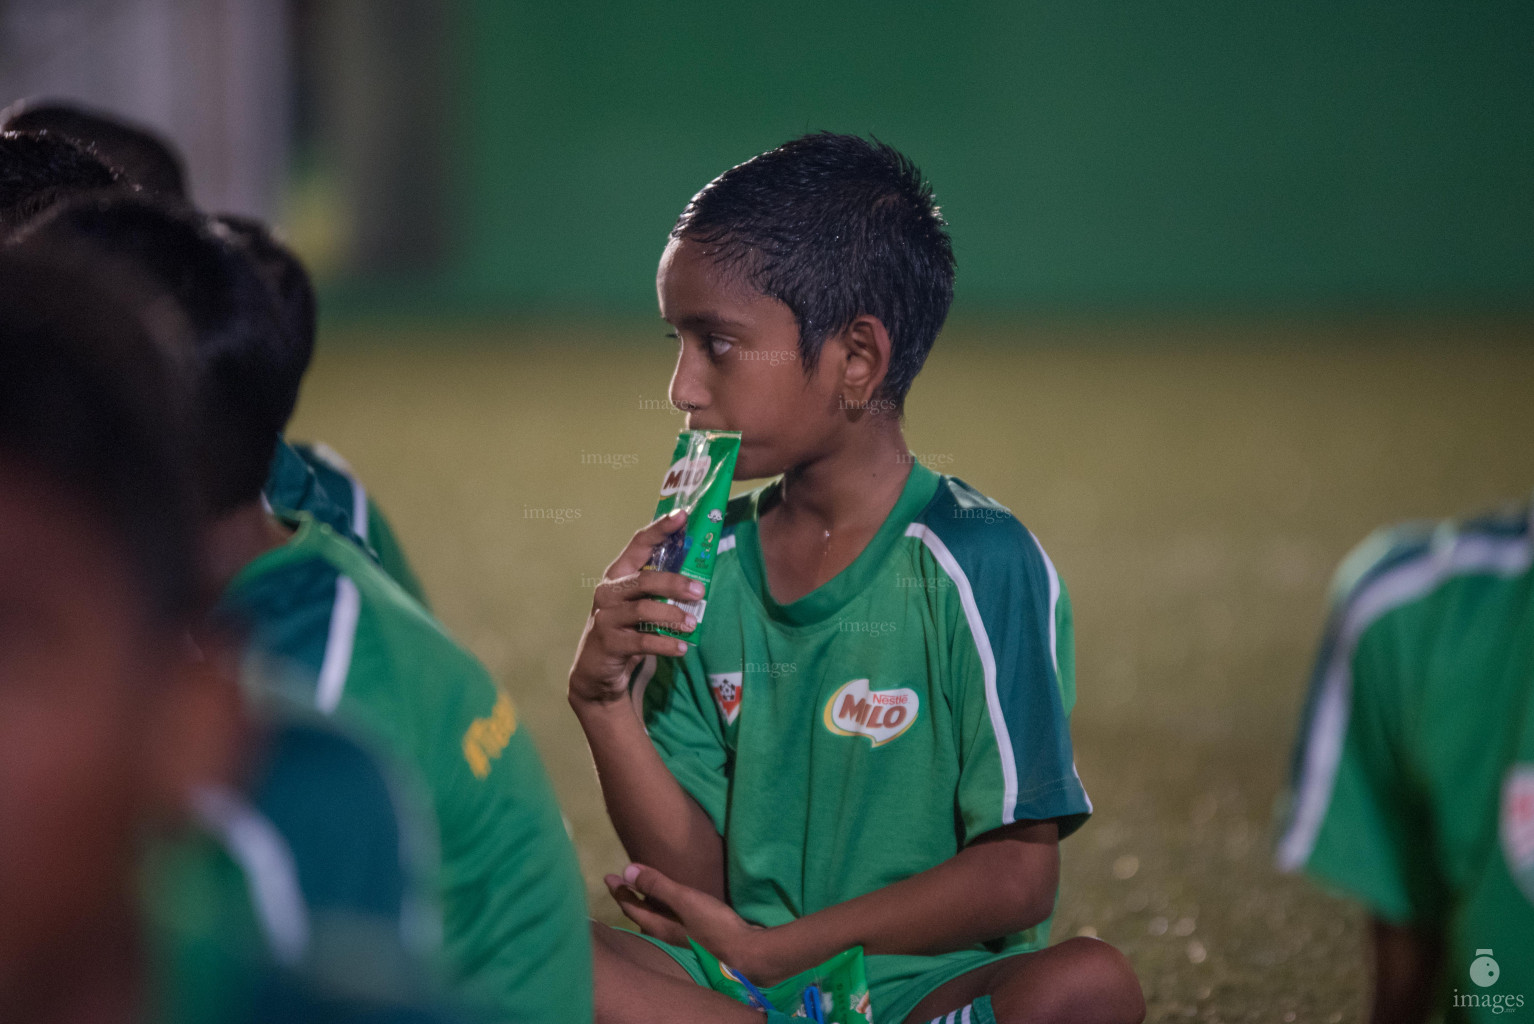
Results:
878 715
684 475
487 737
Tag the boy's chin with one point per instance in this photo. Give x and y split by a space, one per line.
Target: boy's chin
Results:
748 468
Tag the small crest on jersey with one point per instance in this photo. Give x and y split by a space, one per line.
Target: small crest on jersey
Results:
879 715
726 687
1518 826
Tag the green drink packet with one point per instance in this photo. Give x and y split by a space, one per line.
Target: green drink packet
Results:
841 985
702 468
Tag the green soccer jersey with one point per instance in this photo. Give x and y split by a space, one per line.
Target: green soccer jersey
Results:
876 726
1413 785
312 478
305 889
354 643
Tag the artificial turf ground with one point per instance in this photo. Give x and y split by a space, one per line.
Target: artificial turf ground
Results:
1195 485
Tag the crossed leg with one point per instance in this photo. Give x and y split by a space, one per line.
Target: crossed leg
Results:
636 983
1079 981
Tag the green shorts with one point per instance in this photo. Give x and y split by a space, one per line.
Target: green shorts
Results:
895 983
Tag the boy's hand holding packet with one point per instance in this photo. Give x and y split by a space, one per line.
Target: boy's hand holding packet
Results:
654 594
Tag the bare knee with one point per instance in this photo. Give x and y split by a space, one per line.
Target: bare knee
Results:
1105 976
1078 981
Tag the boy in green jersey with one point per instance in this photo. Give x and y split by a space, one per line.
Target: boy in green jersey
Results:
312 477
866 741
349 641
1413 786
113 728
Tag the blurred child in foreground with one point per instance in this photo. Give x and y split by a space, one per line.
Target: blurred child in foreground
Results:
121 724
334 633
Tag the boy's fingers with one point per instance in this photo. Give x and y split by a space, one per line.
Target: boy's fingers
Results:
628 642
662 614
639 585
650 919
638 552
661 646
624 627
655 885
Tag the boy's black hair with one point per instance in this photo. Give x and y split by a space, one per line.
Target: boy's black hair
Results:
41 169
93 403
292 294
835 227
239 400
144 157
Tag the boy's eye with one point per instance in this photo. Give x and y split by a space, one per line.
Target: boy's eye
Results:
718 346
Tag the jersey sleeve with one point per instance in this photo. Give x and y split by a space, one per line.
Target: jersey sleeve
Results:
1354 821
684 723
1012 669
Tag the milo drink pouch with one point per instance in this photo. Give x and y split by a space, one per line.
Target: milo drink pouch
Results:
699 481
835 992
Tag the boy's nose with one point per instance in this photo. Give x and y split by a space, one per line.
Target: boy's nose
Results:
687 392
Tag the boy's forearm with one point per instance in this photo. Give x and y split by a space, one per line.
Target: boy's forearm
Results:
658 822
988 890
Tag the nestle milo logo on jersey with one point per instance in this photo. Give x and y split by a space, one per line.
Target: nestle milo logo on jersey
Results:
878 715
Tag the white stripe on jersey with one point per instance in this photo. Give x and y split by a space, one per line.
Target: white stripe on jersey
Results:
987 663
964 1016
1054 601
726 543
1329 721
270 873
337 663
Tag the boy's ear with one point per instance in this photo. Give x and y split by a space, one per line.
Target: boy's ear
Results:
865 359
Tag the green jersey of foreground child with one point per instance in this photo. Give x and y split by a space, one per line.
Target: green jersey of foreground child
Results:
141 876
776 825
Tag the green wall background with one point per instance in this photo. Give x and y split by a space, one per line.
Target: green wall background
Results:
1090 155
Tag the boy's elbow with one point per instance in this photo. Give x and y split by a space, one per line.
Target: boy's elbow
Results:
1035 906
1017 869
1027 887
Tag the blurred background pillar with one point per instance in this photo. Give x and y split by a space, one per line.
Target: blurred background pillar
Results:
370 134
213 76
